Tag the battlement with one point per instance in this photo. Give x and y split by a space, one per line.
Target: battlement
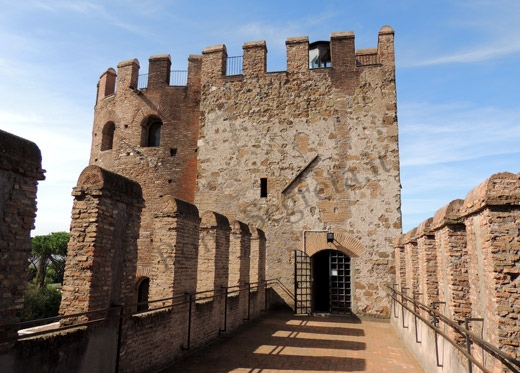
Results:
342 51
159 76
213 64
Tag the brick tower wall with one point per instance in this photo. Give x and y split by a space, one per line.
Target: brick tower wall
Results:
168 169
325 139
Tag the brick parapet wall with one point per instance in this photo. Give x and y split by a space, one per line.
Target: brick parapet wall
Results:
213 257
206 250
20 171
412 261
176 246
492 219
102 252
450 241
427 257
478 250
400 262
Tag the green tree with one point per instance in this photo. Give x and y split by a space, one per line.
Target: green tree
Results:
49 251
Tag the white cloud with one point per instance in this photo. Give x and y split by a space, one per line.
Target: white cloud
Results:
434 134
478 54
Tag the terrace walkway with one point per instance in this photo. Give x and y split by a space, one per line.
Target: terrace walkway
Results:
282 342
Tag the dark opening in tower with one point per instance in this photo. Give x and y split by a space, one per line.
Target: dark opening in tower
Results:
331 287
319 54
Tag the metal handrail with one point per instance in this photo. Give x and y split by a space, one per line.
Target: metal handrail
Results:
509 361
181 300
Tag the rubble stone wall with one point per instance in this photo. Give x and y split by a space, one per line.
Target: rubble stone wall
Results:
326 142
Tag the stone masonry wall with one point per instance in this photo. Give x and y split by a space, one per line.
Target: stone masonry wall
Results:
325 140
477 243
20 170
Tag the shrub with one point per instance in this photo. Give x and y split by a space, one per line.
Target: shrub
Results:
39 302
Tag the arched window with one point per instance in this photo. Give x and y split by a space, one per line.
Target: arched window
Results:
143 288
153 131
107 139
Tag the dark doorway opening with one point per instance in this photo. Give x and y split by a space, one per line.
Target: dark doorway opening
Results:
321 290
331 288
143 288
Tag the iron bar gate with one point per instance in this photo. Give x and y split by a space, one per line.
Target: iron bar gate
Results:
302 283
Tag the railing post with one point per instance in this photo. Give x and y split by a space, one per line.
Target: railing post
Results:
119 337
394 302
415 315
225 309
436 322
248 301
468 342
402 305
189 322
265 295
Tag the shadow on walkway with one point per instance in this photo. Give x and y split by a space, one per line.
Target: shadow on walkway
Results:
283 342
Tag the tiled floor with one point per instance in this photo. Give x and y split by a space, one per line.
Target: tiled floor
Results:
282 342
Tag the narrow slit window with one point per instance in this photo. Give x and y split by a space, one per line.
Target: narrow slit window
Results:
263 187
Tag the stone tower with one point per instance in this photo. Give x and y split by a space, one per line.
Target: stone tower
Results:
300 153
303 152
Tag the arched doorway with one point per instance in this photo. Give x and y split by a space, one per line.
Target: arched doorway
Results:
143 288
322 282
331 282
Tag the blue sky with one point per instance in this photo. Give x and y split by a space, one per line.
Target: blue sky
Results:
457 77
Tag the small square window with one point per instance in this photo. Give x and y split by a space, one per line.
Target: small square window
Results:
263 187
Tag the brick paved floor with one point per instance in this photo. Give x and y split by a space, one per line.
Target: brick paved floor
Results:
282 342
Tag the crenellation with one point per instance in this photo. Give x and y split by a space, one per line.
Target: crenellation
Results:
255 58
427 256
297 54
159 71
127 75
214 62
106 84
385 47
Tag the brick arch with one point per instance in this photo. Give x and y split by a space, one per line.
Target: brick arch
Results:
146 123
317 241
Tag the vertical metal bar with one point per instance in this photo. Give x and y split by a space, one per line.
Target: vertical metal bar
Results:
468 342
189 321
248 301
296 281
394 302
402 305
225 308
330 281
119 337
436 322
415 316
265 295
468 346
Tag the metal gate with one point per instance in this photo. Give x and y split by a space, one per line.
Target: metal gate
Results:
302 283
339 283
